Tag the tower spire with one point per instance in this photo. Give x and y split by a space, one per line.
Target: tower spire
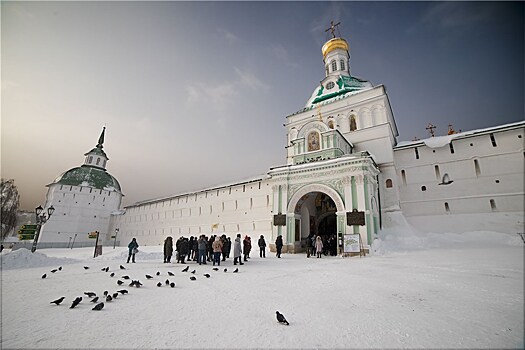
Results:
101 138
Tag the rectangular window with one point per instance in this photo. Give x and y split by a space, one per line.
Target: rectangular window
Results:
403 177
417 153
493 205
447 208
438 175
493 140
451 147
477 168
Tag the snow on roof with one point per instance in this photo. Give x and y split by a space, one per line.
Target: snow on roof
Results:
441 141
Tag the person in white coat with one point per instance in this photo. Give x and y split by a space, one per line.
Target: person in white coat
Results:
237 250
318 246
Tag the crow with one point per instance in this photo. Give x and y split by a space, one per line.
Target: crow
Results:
280 318
167 281
186 269
44 275
122 267
149 277
115 295
137 283
86 267
119 282
76 302
103 269
236 270
107 269
90 294
206 275
215 269
158 273
98 307
112 274
95 299
122 291
109 298
54 270
125 277
58 301
132 283
106 293
225 270
171 273
60 268
193 278
193 271
172 284
159 284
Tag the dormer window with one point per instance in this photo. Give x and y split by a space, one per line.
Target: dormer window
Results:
90 159
334 66
342 64
330 85
98 161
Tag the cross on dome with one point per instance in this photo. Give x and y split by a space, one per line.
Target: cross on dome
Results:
332 28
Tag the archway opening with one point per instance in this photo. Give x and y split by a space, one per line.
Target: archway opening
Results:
316 211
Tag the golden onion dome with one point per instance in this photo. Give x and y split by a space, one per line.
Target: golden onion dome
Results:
333 44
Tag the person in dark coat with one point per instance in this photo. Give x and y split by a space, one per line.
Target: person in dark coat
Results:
202 242
210 248
190 249
195 249
309 243
133 249
279 245
183 249
246 247
228 247
262 247
177 248
224 252
168 249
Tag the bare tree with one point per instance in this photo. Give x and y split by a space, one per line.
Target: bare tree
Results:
10 202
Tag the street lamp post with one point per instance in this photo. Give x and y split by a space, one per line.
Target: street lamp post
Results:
41 219
115 241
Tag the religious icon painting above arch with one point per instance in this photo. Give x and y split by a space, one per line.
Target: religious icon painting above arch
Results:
353 123
313 141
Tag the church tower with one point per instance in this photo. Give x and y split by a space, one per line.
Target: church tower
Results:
84 198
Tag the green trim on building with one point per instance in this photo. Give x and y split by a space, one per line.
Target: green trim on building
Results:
88 176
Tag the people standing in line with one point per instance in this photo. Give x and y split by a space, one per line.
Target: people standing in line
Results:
133 249
279 245
262 247
217 250
168 249
319 246
246 247
183 250
202 243
237 251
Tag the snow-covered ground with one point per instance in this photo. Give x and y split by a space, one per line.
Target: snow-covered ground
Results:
416 291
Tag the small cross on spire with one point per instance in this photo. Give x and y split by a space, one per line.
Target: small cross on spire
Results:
430 129
332 28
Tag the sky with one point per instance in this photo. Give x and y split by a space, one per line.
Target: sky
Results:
195 94
415 291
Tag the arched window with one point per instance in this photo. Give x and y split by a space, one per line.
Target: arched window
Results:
90 160
353 124
388 183
334 66
327 70
98 161
342 65
331 124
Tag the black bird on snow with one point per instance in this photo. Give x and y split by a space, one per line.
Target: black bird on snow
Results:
60 268
149 277
171 273
54 270
122 267
193 278
98 307
119 282
112 274
236 270
137 283
158 273
95 299
86 267
44 275
115 295
106 293
172 284
58 301
186 269
125 277
109 298
90 294
167 281
280 318
206 275
122 291
159 284
103 269
193 271
215 269
225 270
76 302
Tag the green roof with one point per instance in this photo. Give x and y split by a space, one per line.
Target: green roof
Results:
345 84
88 176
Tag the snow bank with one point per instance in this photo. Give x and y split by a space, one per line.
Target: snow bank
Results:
23 258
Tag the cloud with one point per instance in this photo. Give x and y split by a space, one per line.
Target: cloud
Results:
248 79
454 15
281 53
229 37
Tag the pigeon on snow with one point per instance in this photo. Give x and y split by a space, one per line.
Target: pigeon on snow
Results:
60 268
172 284
115 295
119 282
44 275
54 270
193 278
122 291
109 298
86 267
158 273
225 270
76 302
95 299
98 307
122 267
90 294
236 270
186 269
112 274
215 269
149 277
281 318
106 293
171 273
167 281
207 275
58 301
159 284
125 277
193 271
